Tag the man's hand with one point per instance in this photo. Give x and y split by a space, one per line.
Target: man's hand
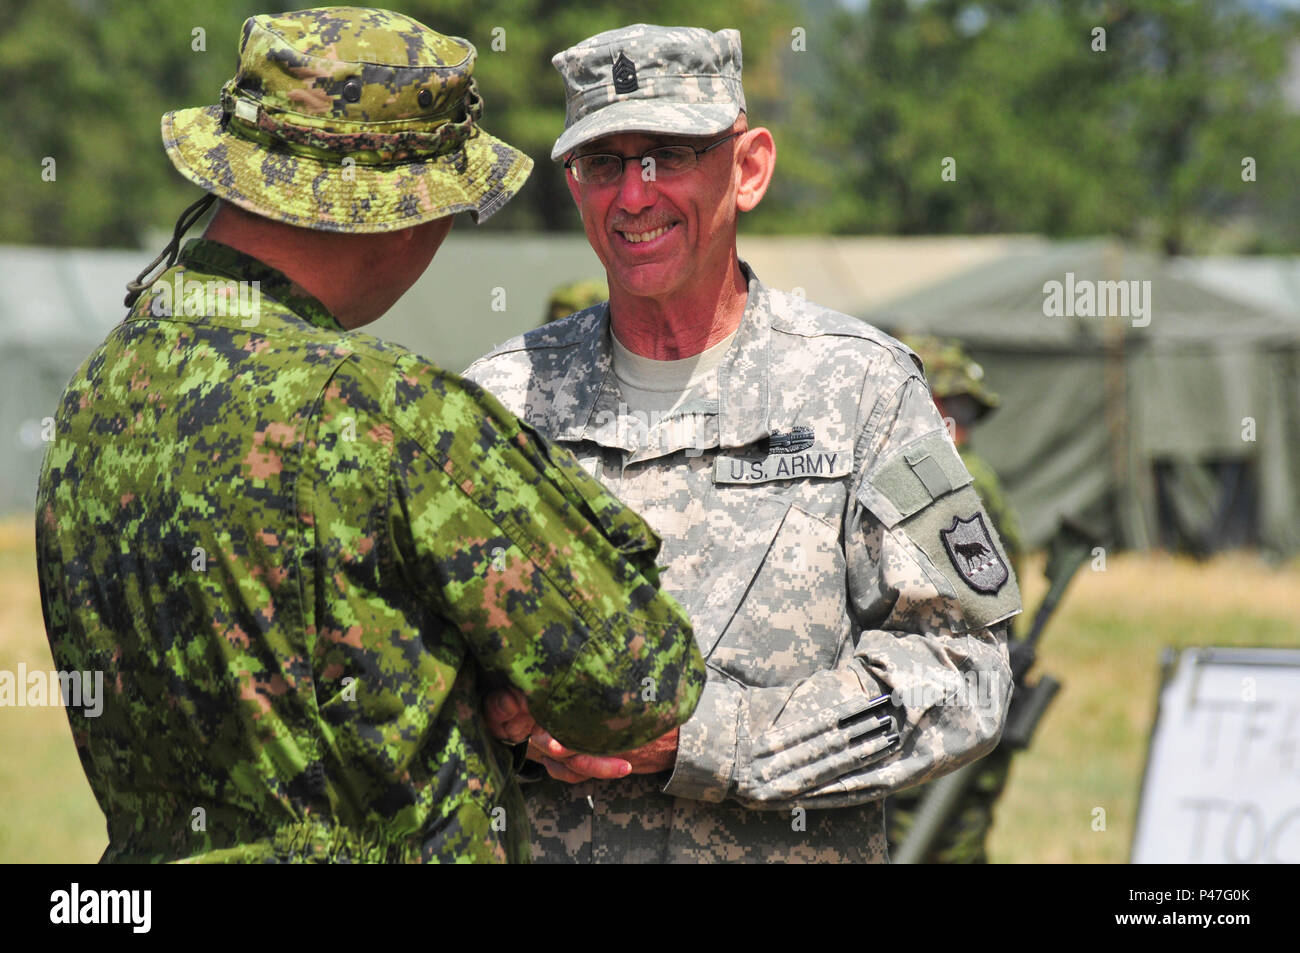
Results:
508 719
655 756
572 767
506 711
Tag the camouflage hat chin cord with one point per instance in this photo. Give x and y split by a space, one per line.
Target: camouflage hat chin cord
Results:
172 249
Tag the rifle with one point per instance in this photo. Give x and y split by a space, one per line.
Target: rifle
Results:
1067 551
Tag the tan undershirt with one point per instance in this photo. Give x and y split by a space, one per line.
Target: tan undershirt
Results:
652 390
651 386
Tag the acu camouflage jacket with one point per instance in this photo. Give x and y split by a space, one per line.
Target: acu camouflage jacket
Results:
298 554
823 535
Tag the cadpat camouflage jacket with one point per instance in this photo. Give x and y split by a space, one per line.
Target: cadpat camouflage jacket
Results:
299 555
823 535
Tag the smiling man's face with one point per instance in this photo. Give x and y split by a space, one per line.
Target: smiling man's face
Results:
663 237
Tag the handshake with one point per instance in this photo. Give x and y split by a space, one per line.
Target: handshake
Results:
508 720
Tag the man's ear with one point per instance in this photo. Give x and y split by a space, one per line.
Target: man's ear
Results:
572 183
755 163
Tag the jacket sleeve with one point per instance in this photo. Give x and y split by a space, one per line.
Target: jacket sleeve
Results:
550 580
930 636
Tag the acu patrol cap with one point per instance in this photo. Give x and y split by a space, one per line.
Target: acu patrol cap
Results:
682 81
316 87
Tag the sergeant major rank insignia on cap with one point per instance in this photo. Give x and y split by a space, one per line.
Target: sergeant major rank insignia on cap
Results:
624 74
973 555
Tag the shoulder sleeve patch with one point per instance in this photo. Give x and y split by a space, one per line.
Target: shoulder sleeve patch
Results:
912 478
924 492
959 538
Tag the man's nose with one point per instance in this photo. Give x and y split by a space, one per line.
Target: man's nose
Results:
636 187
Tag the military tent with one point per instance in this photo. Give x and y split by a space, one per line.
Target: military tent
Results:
1162 412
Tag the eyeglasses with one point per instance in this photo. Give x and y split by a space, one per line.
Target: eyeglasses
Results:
603 168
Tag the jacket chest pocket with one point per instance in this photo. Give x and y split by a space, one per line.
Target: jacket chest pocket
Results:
774 608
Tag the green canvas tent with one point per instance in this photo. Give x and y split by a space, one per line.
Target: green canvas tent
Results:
1160 411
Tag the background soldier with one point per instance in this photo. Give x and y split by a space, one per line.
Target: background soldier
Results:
962 397
575 296
296 552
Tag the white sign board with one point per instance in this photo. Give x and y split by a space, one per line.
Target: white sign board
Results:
1222 780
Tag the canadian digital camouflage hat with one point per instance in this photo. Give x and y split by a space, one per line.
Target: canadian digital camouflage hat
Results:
349 120
950 370
682 81
574 296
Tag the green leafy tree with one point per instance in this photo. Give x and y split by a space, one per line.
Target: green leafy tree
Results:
902 117
1048 131
93 78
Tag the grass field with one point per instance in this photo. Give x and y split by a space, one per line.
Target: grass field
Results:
1104 645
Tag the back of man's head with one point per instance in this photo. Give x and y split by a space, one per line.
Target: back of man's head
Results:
343 123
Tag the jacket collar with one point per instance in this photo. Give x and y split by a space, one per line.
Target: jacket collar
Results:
206 257
590 395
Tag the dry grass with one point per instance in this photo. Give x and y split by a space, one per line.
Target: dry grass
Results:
49 813
1104 645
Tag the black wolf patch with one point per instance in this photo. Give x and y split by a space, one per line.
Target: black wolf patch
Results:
973 555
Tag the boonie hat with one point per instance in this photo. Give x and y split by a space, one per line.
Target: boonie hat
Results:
682 81
950 371
347 119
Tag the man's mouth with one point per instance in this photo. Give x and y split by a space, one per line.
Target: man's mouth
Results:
637 238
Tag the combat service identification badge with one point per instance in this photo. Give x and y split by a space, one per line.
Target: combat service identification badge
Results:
799 438
973 555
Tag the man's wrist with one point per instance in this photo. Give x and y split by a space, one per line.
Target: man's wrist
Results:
706 756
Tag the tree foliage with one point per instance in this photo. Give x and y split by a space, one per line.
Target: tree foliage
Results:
96 76
1144 139
1065 117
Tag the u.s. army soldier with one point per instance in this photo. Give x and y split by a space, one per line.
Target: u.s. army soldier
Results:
843 580
296 552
